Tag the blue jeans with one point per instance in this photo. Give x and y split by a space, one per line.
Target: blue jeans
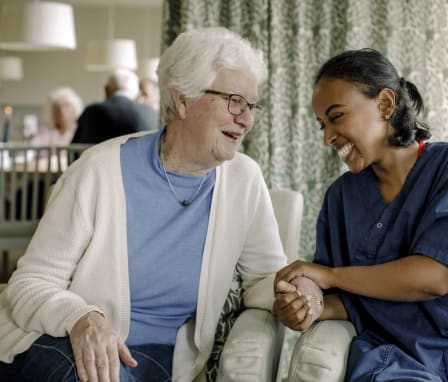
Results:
50 359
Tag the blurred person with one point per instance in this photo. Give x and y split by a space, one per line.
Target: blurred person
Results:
61 110
149 100
118 115
128 271
149 93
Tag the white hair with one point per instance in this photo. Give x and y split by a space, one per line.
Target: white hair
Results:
57 95
123 80
193 61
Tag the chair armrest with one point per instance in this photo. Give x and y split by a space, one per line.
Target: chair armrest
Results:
321 352
252 350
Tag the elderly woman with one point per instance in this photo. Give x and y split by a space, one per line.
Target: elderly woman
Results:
129 268
60 114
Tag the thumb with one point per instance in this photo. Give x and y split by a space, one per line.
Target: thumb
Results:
125 355
284 287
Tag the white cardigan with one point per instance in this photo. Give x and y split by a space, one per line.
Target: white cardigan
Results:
77 259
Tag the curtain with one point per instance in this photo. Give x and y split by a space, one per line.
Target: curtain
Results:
296 37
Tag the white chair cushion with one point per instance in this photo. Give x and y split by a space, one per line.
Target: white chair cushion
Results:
321 352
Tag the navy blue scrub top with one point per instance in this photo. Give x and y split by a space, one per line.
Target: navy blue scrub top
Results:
356 227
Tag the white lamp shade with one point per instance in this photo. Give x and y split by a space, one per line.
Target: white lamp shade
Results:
37 26
11 68
148 69
111 54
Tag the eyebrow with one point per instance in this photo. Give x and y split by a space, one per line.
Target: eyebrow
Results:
330 108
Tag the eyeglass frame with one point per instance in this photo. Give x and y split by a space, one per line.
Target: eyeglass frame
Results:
229 96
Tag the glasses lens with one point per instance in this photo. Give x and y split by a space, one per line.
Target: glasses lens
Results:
237 104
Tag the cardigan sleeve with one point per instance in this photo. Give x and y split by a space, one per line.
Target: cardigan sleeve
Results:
262 255
38 291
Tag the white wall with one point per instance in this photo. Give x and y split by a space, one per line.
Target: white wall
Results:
44 71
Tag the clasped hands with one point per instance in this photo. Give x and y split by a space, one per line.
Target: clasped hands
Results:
298 291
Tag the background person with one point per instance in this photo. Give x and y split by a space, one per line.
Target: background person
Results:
382 248
131 264
61 110
118 115
149 100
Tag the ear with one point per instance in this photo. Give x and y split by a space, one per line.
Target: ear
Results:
179 103
386 102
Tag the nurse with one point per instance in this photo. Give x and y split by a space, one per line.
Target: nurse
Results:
382 234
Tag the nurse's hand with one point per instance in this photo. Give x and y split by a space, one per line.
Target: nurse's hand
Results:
97 349
292 308
320 274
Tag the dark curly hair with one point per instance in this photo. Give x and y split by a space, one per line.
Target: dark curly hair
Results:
371 72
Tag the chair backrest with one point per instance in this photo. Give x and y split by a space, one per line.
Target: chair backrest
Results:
25 175
288 209
66 155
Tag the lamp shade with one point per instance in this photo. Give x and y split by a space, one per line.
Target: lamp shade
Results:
35 26
11 68
110 54
148 69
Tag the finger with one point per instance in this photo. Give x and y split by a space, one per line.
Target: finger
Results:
304 324
284 287
80 369
302 319
114 363
102 366
125 355
289 272
309 319
89 363
297 311
295 320
282 301
288 304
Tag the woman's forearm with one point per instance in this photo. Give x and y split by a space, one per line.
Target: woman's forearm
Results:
413 278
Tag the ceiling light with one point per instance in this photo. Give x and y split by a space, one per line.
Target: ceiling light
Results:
107 55
37 26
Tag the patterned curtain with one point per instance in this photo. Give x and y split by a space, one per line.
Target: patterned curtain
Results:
296 37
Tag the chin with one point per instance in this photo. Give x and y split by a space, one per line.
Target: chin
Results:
356 169
226 156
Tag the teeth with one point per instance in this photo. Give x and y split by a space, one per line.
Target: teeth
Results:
344 150
229 135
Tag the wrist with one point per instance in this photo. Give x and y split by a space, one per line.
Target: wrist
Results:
332 278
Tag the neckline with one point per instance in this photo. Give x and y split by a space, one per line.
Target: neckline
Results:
184 202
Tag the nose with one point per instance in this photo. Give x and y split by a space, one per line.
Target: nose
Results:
245 119
329 136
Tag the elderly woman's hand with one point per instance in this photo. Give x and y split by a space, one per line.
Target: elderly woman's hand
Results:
97 349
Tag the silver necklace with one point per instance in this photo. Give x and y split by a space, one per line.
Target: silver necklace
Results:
183 203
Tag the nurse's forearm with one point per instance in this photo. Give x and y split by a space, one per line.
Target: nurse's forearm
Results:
333 308
413 278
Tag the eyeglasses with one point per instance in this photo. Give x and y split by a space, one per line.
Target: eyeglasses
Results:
237 103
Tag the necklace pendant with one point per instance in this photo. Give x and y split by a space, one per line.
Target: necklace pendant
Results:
185 203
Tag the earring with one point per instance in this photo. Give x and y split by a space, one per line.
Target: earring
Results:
386 117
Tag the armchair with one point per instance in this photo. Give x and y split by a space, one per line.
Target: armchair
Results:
252 349
321 352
